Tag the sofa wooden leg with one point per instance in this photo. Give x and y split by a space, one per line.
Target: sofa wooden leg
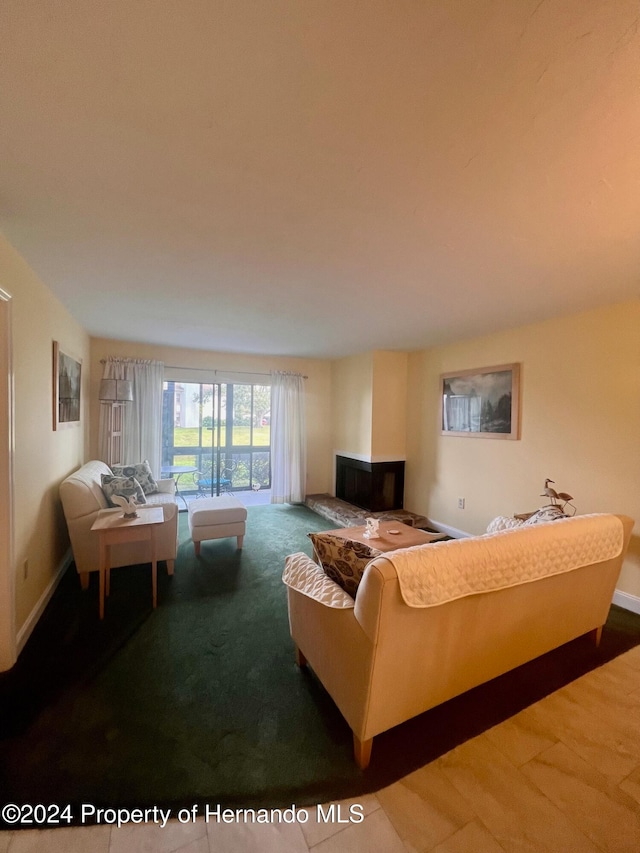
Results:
300 658
170 566
196 545
362 752
597 635
84 580
240 541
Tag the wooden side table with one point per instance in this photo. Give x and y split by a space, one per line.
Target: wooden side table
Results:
113 529
403 536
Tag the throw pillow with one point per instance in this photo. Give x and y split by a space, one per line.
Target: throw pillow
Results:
142 473
547 513
343 560
126 487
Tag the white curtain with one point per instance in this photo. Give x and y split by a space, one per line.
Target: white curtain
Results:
288 439
142 418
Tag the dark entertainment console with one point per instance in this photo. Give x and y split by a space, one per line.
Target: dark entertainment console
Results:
376 486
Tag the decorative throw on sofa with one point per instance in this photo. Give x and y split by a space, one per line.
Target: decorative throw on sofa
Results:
343 560
429 575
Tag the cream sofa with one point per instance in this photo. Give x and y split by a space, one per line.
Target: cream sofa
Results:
82 498
433 621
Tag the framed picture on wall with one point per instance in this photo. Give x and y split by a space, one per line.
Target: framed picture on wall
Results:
481 403
67 385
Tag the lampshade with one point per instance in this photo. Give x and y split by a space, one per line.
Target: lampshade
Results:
116 391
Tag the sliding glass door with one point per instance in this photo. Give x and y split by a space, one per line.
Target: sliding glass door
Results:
220 433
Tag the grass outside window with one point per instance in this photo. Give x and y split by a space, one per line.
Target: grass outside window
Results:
190 436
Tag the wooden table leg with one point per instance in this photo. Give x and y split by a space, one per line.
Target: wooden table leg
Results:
101 604
103 569
154 567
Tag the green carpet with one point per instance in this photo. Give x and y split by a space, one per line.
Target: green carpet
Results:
200 701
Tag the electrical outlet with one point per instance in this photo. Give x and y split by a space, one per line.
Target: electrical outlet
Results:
25 569
460 503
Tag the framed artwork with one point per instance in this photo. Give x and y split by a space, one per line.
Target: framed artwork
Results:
67 376
481 403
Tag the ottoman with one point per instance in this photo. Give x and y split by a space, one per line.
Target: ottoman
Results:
216 518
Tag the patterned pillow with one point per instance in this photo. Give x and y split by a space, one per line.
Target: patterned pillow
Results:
547 513
126 487
343 560
142 472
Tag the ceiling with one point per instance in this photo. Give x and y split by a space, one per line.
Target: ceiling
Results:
321 178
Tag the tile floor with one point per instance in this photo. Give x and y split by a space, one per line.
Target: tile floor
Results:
561 776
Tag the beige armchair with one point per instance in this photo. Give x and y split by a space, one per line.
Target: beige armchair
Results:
82 499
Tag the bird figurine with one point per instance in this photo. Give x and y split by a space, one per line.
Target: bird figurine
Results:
566 499
127 504
548 492
559 499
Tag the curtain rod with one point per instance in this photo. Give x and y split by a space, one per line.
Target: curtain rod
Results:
208 369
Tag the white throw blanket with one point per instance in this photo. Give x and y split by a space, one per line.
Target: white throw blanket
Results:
444 571
305 576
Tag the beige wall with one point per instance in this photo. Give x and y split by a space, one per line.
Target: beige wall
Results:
352 404
317 390
389 406
43 457
369 394
580 395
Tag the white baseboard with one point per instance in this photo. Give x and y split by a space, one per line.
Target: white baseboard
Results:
626 600
32 620
450 531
